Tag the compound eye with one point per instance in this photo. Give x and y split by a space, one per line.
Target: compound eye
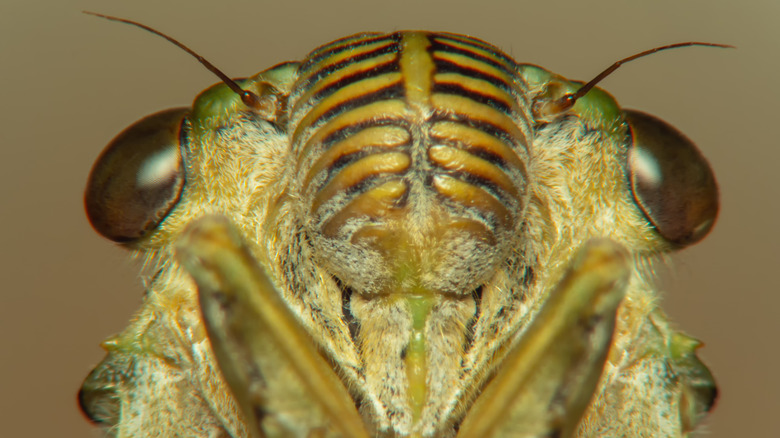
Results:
670 180
138 178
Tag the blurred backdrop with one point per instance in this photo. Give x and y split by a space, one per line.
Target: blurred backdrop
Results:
70 82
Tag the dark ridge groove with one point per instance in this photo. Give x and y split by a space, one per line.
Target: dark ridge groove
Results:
347 159
481 125
317 75
483 183
459 90
394 91
476 43
444 66
469 341
353 129
438 46
323 52
346 311
477 151
388 67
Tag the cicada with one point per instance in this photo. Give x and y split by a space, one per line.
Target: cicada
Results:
402 235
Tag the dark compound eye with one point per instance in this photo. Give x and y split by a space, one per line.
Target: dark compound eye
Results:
138 178
671 181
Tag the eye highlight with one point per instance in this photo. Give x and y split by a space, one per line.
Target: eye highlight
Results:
670 180
138 178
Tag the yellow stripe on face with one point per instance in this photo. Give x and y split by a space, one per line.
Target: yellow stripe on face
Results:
349 94
471 110
477 86
341 42
461 161
360 171
363 53
472 196
474 64
355 68
374 203
387 109
472 46
417 68
377 136
360 45
474 139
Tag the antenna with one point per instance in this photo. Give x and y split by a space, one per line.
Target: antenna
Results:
249 98
567 101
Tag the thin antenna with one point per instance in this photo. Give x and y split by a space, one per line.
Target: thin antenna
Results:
249 98
567 101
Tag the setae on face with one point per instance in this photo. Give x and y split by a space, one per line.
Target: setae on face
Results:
402 235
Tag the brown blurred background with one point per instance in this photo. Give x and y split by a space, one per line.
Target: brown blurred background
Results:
70 82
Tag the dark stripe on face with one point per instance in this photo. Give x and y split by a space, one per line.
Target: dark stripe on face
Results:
481 125
370 181
479 44
485 184
343 44
457 89
439 46
478 152
332 69
345 160
395 91
444 66
354 128
357 77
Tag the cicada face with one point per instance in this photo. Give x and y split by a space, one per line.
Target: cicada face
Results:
399 240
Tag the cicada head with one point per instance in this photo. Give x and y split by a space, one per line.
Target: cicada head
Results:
404 234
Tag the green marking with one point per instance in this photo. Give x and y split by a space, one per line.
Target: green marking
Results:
217 104
214 106
416 357
598 107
